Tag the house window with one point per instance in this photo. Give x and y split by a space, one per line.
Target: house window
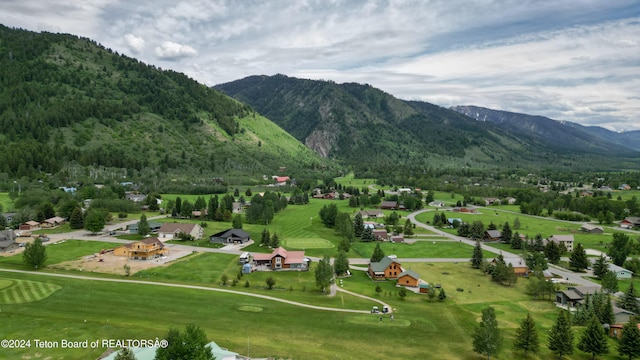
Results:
278 259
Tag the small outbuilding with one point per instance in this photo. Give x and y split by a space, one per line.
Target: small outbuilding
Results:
246 268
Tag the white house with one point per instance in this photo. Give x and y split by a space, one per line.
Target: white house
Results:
621 273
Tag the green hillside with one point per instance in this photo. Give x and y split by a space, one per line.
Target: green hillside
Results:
376 133
68 101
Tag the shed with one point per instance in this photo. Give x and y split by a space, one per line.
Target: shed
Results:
246 268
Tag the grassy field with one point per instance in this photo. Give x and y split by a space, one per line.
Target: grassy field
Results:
5 202
530 226
267 328
24 291
59 252
350 180
419 249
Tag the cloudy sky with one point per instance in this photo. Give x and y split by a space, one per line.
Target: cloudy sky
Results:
576 60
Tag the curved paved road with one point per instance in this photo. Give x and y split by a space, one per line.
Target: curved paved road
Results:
204 288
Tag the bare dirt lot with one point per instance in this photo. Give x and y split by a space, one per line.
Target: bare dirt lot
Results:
111 264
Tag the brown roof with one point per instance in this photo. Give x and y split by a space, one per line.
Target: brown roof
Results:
174 227
55 219
290 257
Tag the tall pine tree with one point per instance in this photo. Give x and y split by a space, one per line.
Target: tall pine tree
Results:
476 258
629 344
527 336
628 301
561 336
593 340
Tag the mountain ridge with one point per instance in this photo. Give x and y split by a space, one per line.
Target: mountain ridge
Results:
566 133
412 133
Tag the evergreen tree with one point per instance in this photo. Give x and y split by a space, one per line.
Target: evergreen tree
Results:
600 266
620 248
442 295
578 259
516 241
367 234
265 239
527 336
358 225
35 254
125 354
143 226
629 344
610 282
594 339
487 339
408 227
628 300
77 219
476 259
476 232
275 241
378 254
464 230
561 336
506 234
341 264
552 252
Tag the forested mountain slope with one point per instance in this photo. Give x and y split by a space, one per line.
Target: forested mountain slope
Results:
369 128
561 134
68 100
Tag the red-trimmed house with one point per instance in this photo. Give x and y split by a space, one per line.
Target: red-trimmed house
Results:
281 259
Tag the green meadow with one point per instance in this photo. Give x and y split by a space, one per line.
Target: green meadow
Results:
59 252
89 310
432 248
5 202
530 225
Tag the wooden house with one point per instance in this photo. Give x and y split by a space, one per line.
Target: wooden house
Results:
384 269
281 259
408 278
147 249
30 225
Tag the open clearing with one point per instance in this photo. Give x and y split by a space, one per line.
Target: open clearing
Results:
111 264
307 243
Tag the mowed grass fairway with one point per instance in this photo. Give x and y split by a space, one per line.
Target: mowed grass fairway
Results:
419 249
23 291
307 243
268 328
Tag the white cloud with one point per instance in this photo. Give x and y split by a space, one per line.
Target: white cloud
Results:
173 51
566 59
134 43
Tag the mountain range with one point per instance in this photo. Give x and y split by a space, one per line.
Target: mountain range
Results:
565 133
362 125
68 102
